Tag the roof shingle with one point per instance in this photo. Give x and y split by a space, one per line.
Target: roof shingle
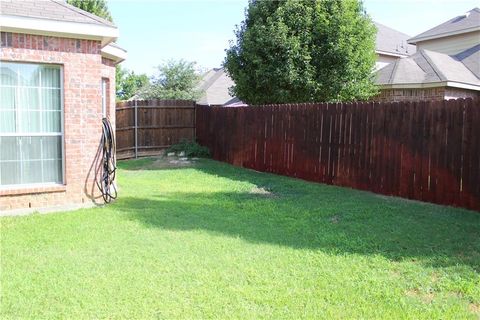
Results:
50 10
392 41
464 23
471 59
429 66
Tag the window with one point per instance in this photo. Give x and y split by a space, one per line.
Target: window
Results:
31 131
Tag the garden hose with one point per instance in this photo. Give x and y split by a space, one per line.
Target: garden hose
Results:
106 178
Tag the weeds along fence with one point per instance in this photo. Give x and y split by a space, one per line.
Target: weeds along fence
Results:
428 151
147 127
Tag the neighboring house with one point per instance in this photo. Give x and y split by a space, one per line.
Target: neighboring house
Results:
391 45
446 65
451 37
57 82
430 75
215 86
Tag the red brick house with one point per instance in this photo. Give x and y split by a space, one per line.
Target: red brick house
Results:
57 83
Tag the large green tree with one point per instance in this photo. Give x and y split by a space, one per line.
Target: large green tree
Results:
303 51
176 79
128 83
96 7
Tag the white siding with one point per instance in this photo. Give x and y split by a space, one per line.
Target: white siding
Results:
384 60
451 45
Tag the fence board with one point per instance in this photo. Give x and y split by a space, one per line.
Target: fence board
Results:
473 182
160 124
426 151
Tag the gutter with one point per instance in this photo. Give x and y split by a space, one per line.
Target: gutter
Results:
399 55
451 84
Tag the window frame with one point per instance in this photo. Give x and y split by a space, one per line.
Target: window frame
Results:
104 88
45 134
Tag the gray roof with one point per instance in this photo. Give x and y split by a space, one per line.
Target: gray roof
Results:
392 41
50 10
215 84
429 67
471 59
461 24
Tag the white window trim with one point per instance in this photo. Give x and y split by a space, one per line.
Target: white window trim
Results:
104 85
61 133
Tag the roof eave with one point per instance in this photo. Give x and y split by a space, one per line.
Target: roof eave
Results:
386 53
114 53
419 38
426 85
67 29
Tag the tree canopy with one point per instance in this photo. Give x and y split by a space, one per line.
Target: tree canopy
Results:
303 51
176 79
96 7
128 83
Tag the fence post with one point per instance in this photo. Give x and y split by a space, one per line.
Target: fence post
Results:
195 122
136 131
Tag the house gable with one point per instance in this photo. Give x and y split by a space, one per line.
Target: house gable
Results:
452 36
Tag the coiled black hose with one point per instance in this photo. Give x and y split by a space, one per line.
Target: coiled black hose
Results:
106 178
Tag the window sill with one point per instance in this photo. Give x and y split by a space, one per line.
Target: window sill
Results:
21 190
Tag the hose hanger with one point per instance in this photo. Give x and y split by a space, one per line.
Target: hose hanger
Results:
106 178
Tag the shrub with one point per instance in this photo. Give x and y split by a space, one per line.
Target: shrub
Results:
191 149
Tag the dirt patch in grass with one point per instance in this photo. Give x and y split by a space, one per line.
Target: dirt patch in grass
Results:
171 163
262 191
158 162
335 219
435 277
424 297
474 308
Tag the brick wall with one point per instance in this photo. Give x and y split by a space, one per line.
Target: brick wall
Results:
411 94
83 70
440 93
455 93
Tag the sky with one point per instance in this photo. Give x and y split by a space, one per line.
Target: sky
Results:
156 31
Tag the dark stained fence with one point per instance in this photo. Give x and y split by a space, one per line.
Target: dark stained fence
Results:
158 125
428 151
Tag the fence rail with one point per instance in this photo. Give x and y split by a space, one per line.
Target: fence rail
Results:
147 127
428 151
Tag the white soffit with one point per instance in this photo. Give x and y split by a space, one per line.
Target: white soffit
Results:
57 28
114 53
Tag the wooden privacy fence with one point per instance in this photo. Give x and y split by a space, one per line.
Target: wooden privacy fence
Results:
428 151
147 127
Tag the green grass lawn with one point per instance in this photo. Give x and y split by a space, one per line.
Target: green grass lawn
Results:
215 241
